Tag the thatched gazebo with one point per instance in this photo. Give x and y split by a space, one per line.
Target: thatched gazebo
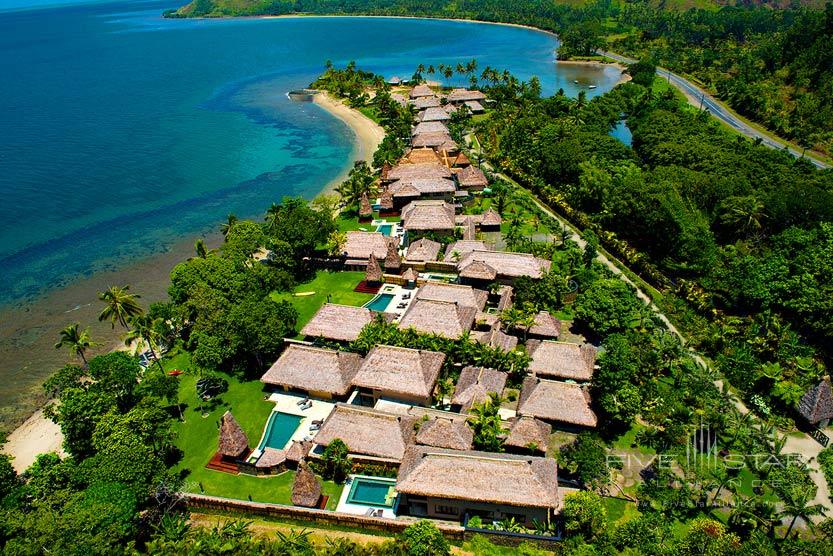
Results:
365 209
410 277
373 274
817 404
392 260
233 443
385 201
306 490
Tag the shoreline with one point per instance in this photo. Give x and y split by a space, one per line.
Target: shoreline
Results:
28 329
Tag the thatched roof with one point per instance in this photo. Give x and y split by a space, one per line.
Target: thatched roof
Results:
422 250
487 319
314 369
469 230
430 127
365 209
463 295
448 319
368 432
271 457
306 490
298 450
488 218
233 442
410 275
422 155
556 401
463 246
474 106
359 245
472 176
525 431
496 339
475 384
439 432
428 215
343 323
450 108
421 90
392 260
462 161
546 326
463 95
505 299
386 200
435 114
416 187
399 370
373 273
432 139
418 170
561 360
482 477
502 263
422 103
817 403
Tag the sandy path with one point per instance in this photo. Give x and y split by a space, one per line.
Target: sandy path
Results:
38 435
368 133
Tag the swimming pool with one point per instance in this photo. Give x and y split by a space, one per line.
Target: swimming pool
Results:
385 229
372 491
279 430
380 302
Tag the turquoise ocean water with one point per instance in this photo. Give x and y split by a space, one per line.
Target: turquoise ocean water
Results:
122 133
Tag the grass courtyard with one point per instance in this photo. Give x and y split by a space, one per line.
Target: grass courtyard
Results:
197 438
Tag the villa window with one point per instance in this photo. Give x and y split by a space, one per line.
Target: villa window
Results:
447 510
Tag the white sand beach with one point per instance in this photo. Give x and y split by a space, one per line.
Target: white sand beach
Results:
38 435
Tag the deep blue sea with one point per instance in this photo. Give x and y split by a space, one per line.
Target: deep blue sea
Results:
122 133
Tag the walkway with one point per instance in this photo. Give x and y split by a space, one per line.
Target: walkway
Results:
700 98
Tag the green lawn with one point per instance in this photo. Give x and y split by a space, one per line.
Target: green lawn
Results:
349 222
619 511
197 438
335 287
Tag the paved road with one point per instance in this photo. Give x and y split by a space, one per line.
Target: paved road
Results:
698 97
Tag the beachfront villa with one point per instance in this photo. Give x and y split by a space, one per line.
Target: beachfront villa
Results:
428 216
332 379
561 360
340 323
556 402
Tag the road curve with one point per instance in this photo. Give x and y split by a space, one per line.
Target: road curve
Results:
698 97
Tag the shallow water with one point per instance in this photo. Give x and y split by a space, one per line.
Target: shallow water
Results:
122 134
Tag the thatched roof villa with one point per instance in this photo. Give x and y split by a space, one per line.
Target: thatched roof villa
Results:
422 103
495 338
488 220
434 114
527 434
458 96
817 403
472 177
434 139
417 170
462 247
406 190
561 360
422 216
554 401
454 434
453 293
402 374
474 386
342 323
423 250
545 327
447 484
480 266
448 319
370 435
318 372
422 155
430 127
359 246
421 90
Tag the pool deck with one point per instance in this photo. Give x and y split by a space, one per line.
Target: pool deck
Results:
398 293
288 403
360 509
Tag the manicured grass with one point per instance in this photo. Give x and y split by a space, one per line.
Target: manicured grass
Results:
349 222
335 287
619 511
627 442
197 438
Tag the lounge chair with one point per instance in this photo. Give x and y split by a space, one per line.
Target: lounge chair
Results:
302 402
306 406
370 512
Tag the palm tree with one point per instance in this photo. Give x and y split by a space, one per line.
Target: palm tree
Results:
144 330
800 507
231 220
120 305
76 340
199 247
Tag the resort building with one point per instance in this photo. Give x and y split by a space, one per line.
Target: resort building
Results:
484 267
472 178
406 190
465 296
561 360
474 107
489 221
232 446
422 103
474 386
430 127
423 250
417 171
527 435
342 323
442 432
457 250
400 374
495 338
428 216
358 247
435 114
556 402
316 372
421 90
460 96
438 140
422 155
448 319
450 484
544 327
371 436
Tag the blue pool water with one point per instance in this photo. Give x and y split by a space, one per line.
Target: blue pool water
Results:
385 229
380 302
372 492
279 429
123 133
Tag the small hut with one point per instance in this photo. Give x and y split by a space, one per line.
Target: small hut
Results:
816 406
306 490
392 260
365 209
373 274
386 202
386 167
233 443
410 277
